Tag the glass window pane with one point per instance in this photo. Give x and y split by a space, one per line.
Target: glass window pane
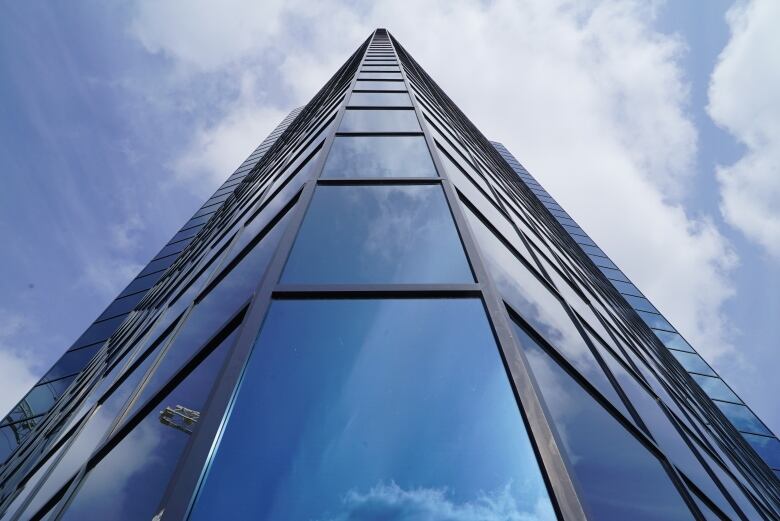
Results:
716 388
618 477
71 363
768 448
655 321
377 234
539 307
128 483
379 121
379 156
219 304
673 341
693 363
389 407
380 85
380 99
380 76
742 418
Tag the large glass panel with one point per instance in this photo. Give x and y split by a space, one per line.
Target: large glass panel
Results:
86 440
617 476
220 303
380 76
716 388
374 409
379 156
129 482
377 234
380 85
380 99
655 321
370 120
693 363
742 418
673 341
537 305
768 448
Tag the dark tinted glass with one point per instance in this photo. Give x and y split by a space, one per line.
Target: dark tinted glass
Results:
380 85
618 477
379 156
391 410
71 362
380 99
379 76
129 482
377 234
379 121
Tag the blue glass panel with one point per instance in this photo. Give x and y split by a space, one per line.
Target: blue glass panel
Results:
374 409
537 305
742 418
377 234
640 303
379 156
379 121
693 363
655 321
128 483
618 477
379 76
716 388
86 440
380 99
210 314
71 363
380 85
768 448
613 274
673 341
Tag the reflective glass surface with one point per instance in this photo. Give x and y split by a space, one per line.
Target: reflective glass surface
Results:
716 388
655 321
380 76
380 85
128 483
379 156
742 418
391 409
767 448
537 305
693 363
377 235
618 477
673 341
380 99
379 121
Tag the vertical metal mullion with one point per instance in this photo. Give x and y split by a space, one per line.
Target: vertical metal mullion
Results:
193 464
564 495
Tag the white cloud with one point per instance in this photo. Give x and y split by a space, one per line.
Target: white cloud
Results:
744 98
586 94
393 503
17 361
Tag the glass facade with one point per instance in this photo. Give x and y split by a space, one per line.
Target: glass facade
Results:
381 315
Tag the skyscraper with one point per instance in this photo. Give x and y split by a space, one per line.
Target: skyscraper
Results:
381 315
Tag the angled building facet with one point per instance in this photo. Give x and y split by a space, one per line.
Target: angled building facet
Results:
382 315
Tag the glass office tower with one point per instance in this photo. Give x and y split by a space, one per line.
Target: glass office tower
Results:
384 319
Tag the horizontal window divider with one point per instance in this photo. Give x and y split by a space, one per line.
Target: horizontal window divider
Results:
358 291
363 134
379 181
93 344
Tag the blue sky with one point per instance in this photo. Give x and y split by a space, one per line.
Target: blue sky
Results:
657 126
